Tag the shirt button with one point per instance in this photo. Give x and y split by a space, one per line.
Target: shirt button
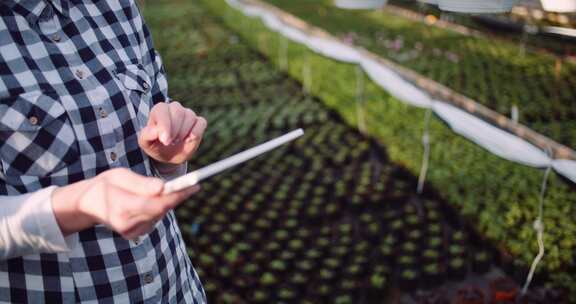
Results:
33 120
148 278
136 241
103 113
146 86
113 156
56 38
79 74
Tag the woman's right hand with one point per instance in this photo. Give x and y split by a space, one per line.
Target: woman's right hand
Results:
126 202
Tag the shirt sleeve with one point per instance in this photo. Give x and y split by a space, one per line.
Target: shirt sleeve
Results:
28 226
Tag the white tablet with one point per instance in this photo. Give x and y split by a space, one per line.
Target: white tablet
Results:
195 177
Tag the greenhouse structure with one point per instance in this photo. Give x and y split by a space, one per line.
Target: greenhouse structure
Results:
320 151
437 163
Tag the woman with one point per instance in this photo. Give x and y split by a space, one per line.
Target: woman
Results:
85 123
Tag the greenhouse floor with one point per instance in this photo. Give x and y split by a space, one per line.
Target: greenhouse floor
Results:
327 219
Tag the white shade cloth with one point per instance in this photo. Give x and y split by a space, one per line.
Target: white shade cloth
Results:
491 138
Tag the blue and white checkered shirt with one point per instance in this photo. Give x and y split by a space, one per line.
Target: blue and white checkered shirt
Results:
77 81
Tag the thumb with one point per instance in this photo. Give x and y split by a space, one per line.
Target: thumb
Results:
135 183
149 133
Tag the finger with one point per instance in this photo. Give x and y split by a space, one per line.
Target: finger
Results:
160 118
149 134
198 129
188 123
172 200
132 182
177 117
156 207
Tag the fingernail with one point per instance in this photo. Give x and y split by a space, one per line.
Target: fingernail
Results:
191 137
164 138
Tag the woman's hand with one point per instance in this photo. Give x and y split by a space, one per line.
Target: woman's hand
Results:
128 203
173 133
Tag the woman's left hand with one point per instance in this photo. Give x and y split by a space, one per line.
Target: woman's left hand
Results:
173 133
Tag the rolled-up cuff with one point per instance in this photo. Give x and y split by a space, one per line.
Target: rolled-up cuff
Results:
46 221
28 226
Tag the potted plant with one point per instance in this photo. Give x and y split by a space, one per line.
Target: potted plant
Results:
343 299
433 215
303 233
281 235
456 250
278 267
459 236
457 268
434 242
431 255
374 230
299 281
227 238
273 247
313 254
268 280
386 253
348 286
408 279
332 264
260 296
307 267
225 275
287 256
206 262
353 272
432 275
232 256
397 228
406 261
326 276
409 248
287 294
340 251
211 288
376 288
434 229
323 292
361 248
413 220
481 262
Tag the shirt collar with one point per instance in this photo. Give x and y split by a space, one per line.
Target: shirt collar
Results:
32 9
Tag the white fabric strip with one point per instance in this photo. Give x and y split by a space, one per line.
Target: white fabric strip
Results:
490 137
493 139
396 85
565 167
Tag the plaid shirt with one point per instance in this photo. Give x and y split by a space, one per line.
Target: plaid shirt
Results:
77 81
